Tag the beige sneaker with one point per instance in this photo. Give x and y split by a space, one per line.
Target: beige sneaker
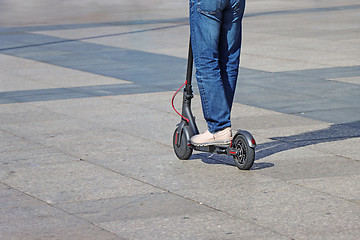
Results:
219 138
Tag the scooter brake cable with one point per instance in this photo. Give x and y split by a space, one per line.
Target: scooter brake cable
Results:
172 102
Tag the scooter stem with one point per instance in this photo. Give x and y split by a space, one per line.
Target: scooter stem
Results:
189 68
188 94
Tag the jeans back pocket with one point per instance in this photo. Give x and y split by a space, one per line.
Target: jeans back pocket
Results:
210 8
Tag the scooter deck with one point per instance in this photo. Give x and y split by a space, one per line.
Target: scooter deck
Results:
218 149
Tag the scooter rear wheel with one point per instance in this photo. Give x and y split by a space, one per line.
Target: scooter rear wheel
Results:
245 156
180 144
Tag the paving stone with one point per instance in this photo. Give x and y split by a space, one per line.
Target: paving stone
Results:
73 181
137 207
201 226
300 167
46 222
347 148
11 198
344 187
39 132
86 124
25 114
333 218
11 143
32 158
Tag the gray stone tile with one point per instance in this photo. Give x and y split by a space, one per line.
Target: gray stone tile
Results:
322 217
310 105
46 131
147 125
335 115
17 83
46 95
214 225
319 138
352 80
135 207
344 187
26 113
348 148
38 154
44 222
74 181
11 143
200 171
160 101
11 198
84 144
63 233
103 108
272 150
296 166
242 193
288 131
31 159
271 121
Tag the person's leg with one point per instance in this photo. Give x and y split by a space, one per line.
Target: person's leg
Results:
229 47
205 25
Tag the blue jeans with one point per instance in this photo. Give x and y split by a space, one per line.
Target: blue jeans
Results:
215 28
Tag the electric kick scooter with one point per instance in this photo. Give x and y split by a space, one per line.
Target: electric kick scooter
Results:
242 147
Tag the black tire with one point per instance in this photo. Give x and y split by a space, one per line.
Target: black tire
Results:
181 149
245 156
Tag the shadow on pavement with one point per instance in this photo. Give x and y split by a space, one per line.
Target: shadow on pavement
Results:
226 160
333 133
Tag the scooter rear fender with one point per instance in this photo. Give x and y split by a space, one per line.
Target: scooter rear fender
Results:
249 138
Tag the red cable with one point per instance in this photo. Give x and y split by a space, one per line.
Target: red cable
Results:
172 102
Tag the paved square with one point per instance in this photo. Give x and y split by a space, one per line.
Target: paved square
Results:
86 124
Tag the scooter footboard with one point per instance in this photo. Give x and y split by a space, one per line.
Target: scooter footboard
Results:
218 149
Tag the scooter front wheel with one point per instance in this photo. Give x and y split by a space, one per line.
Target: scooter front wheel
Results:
245 155
181 148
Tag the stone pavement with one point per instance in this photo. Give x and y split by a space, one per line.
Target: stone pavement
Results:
86 124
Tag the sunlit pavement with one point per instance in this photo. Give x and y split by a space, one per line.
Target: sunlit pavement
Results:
86 124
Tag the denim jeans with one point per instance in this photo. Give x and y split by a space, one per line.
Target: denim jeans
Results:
215 28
